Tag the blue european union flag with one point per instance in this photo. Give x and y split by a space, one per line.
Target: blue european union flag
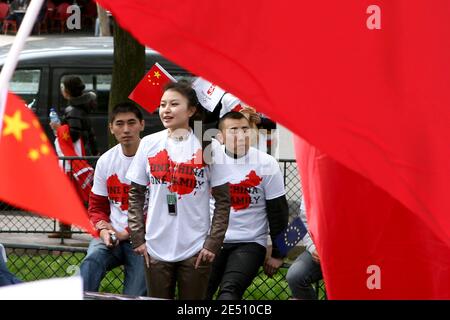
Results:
294 232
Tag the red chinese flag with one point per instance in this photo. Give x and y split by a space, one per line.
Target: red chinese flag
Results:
149 90
29 171
81 170
367 85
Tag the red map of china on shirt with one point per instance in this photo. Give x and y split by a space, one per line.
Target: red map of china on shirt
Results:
239 192
118 191
181 176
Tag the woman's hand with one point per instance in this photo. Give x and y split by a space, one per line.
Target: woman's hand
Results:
204 255
142 251
55 126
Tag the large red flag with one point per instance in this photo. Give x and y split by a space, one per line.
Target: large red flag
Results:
369 87
149 90
30 176
373 246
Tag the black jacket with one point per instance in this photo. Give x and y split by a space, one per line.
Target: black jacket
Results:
76 115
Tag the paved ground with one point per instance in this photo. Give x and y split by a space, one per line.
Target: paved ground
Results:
13 221
78 240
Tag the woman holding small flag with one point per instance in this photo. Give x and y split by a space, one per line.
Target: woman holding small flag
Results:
75 137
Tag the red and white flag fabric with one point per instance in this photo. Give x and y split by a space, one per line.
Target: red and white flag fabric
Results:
80 170
230 103
29 171
149 90
365 84
208 94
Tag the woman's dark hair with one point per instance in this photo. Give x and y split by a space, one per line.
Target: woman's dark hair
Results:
74 86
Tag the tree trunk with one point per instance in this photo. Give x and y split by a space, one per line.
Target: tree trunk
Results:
103 19
128 69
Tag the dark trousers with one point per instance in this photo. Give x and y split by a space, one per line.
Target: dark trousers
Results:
162 277
6 277
234 269
301 275
100 259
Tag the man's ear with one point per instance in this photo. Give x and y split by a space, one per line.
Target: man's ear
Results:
110 128
143 125
219 137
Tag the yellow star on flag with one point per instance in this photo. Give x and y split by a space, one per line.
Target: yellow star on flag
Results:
65 136
14 125
157 74
33 154
43 137
44 149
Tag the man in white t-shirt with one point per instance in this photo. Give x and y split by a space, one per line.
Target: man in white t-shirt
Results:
258 203
108 207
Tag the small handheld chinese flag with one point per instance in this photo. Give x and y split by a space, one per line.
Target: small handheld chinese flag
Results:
29 171
81 170
149 90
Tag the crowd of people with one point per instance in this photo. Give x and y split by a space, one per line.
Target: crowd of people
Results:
176 217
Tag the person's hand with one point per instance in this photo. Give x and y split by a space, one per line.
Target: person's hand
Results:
255 118
142 251
251 115
55 126
105 235
102 224
315 256
122 236
271 266
204 255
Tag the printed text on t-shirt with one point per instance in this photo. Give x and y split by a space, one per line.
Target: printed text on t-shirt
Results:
245 193
181 177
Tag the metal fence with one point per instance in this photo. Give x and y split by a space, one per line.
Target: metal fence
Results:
41 262
13 220
32 262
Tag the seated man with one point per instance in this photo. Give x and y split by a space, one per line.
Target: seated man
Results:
306 268
108 207
258 203
6 277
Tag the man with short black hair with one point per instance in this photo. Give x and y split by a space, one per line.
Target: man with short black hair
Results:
108 207
258 203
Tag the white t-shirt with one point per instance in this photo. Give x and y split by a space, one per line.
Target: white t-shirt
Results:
175 167
253 179
110 181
